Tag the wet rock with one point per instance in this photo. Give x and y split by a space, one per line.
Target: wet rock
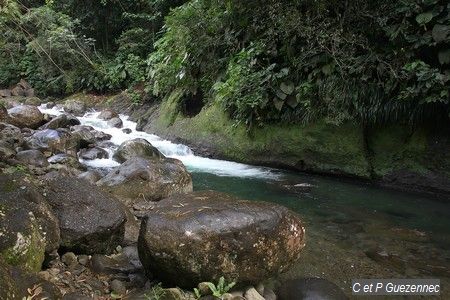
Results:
92 153
107 114
75 107
252 294
90 220
31 100
28 227
151 180
32 157
118 287
91 176
26 116
11 134
50 104
126 130
69 259
115 122
250 241
136 148
310 288
50 141
84 134
65 159
61 121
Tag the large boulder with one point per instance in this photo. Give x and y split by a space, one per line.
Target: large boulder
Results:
87 135
6 150
26 116
51 141
136 148
115 122
90 220
32 157
107 114
148 179
28 227
201 236
61 121
75 107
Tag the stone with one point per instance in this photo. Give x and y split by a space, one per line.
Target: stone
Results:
69 259
126 130
107 114
173 294
4 117
91 176
31 99
310 288
11 134
118 287
204 289
90 220
150 180
28 227
61 121
252 294
32 157
76 107
50 104
6 150
260 288
136 148
76 296
196 232
115 122
92 153
83 259
52 141
67 160
113 264
26 116
5 93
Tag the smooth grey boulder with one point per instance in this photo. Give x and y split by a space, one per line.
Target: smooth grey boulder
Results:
201 236
25 116
92 153
115 122
91 221
50 141
147 179
136 148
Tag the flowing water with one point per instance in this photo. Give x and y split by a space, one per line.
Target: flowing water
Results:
354 230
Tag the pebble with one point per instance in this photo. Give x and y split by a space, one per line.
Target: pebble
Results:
69 259
118 287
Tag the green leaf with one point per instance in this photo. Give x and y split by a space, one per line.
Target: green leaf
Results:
287 87
424 18
278 103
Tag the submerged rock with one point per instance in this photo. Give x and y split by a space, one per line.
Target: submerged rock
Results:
136 148
26 116
310 288
28 227
92 153
202 236
148 179
90 220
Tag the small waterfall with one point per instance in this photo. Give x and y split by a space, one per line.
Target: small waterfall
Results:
182 152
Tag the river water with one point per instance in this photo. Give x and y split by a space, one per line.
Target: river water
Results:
354 230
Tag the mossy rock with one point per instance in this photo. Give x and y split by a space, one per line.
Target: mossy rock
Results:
28 228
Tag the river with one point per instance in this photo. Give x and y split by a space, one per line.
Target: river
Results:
354 230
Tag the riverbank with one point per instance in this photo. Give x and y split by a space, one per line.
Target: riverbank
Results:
397 157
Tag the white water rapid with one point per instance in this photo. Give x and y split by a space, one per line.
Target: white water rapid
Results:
193 162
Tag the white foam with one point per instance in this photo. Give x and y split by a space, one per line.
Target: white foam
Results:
182 152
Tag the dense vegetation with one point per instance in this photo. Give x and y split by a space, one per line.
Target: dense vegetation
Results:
264 61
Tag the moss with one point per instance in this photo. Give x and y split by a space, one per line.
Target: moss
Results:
28 251
318 147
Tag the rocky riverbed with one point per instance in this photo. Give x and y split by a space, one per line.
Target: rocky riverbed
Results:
72 232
